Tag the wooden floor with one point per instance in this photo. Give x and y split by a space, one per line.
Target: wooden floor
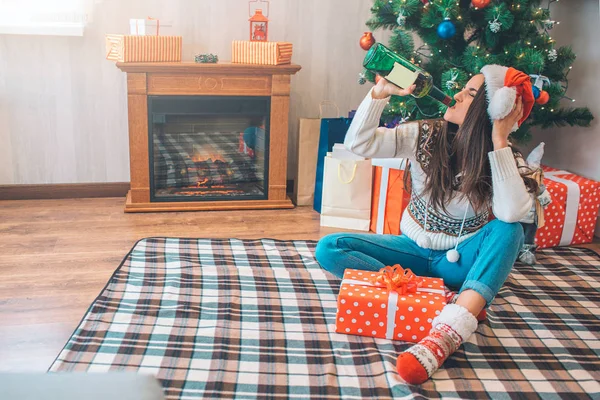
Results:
57 255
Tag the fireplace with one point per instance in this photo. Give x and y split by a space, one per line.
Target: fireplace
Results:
206 148
207 136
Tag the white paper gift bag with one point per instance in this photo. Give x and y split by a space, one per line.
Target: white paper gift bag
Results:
347 186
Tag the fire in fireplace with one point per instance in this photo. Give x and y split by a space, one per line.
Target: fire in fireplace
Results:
208 148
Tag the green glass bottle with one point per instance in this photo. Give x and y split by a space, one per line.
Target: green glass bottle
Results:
403 73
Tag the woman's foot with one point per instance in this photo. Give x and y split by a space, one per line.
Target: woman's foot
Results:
527 254
451 328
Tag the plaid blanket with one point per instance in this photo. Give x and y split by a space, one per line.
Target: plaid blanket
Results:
173 154
255 319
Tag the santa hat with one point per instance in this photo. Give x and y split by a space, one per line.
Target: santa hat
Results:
503 84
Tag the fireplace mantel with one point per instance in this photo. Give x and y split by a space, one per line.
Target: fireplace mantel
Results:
224 68
191 79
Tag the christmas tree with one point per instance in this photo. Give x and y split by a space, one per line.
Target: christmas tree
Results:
461 36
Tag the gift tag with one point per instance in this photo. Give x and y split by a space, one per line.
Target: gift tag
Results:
402 76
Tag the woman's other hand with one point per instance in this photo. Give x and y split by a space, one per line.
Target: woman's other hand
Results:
503 127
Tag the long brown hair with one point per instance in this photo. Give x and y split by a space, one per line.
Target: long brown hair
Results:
459 160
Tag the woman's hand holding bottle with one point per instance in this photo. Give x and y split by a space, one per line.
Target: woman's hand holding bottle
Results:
384 89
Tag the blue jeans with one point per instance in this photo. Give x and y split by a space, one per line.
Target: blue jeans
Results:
485 261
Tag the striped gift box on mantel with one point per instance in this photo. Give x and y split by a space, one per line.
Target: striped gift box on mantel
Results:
131 48
263 53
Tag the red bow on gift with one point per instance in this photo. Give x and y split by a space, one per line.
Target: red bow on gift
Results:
398 279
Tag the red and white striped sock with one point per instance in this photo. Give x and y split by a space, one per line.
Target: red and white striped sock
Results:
450 329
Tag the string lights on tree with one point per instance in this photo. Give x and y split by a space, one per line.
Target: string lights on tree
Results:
461 37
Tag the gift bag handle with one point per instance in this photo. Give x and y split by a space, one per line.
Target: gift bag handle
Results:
137 21
351 178
329 103
157 25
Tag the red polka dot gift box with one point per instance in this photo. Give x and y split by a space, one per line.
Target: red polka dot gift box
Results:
571 217
393 303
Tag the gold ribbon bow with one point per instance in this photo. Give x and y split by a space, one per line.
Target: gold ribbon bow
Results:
398 279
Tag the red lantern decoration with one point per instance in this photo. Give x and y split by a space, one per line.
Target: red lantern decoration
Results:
259 23
367 41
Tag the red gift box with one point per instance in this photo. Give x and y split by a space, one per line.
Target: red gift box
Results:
390 197
391 304
571 217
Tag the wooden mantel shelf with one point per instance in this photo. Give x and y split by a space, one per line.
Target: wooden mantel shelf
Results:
194 79
199 68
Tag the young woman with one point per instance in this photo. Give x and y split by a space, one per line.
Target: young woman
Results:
461 169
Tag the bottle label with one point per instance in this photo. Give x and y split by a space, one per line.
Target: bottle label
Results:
402 76
448 101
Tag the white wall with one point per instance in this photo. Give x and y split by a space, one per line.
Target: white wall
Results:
577 149
63 106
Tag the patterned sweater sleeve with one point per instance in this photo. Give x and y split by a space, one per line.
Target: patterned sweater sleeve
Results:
510 199
367 139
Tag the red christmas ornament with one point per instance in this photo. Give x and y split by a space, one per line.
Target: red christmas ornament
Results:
544 98
425 2
367 41
481 3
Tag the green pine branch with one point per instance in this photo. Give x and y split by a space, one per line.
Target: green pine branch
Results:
406 7
563 116
558 70
383 16
402 42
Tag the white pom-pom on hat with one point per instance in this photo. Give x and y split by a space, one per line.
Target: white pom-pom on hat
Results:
502 102
501 99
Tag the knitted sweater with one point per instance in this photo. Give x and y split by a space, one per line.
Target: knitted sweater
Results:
510 199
